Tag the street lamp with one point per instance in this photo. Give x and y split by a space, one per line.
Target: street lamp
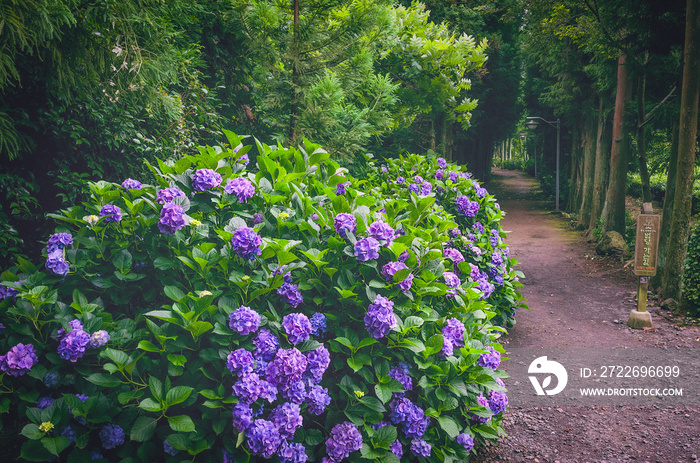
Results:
532 123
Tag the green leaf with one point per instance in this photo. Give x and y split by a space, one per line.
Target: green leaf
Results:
198 328
148 346
181 423
449 425
104 380
383 393
178 395
163 263
156 387
174 293
122 260
384 437
177 359
344 341
31 431
33 450
150 405
143 428
117 356
55 445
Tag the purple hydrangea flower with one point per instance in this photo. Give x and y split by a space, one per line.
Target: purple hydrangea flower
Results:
454 331
384 169
205 179
111 213
441 162
171 218
447 347
340 188
287 368
399 409
52 379
287 418
166 195
240 362
467 207
484 286
241 187
416 422
318 399
243 160
414 188
73 345
478 227
56 263
400 373
74 325
68 433
405 285
131 184
497 259
453 177
297 327
481 192
290 293
465 440
244 320
257 218
99 338
498 401
345 438
5 292
400 180
426 188
451 279
382 231
454 255
112 436
420 448
491 360
366 249
345 222
396 448
483 401
44 402
247 388
498 279
439 174
268 391
391 268
242 416
292 453
318 324
380 317
59 241
263 438
318 361
169 449
296 392
246 243
266 344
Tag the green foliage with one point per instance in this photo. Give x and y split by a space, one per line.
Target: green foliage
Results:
691 274
166 301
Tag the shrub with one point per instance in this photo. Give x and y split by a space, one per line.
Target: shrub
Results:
288 312
691 274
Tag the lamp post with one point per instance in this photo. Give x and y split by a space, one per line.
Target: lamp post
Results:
532 123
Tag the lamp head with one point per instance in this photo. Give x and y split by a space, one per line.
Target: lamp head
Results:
532 124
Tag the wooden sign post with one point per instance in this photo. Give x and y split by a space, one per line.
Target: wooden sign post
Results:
645 254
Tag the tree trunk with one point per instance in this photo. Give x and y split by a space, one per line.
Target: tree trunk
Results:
589 150
688 126
294 107
574 202
447 139
602 164
641 140
668 206
614 209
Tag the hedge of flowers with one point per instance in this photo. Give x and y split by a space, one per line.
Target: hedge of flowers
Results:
287 312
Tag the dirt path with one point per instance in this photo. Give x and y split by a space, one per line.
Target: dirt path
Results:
578 300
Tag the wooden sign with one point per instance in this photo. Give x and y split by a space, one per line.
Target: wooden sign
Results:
647 244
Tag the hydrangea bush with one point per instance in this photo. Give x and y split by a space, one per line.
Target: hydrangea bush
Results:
227 313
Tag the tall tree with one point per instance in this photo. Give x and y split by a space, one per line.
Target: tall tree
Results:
688 124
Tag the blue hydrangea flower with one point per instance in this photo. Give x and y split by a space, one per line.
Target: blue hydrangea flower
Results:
44 402
166 195
498 401
287 418
244 320
296 392
6 291
290 293
205 179
420 448
56 263
73 345
240 362
263 438
52 379
68 433
345 438
366 249
344 222
241 187
99 338
292 453
111 213
318 324
318 399
380 318
396 448
416 422
19 359
112 436
266 345
169 449
399 408
247 388
297 327
242 416
465 440
131 184
59 241
246 243
491 360
244 159
171 218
